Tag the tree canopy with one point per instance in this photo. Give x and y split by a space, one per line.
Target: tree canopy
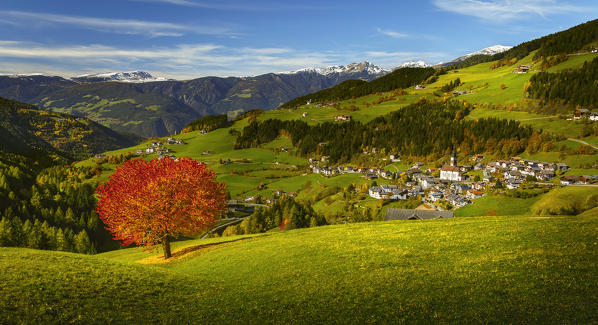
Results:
151 202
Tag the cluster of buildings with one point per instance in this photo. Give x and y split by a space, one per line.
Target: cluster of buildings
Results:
579 180
158 147
451 183
516 171
369 173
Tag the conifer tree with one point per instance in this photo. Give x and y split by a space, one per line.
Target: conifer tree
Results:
83 243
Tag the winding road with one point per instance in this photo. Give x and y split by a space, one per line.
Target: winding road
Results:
582 142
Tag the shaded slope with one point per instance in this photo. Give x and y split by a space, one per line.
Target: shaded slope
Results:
31 132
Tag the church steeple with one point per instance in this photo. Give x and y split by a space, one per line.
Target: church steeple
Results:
454 157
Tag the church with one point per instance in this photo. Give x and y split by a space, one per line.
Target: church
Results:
452 172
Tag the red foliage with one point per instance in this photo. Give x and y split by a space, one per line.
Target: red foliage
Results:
147 202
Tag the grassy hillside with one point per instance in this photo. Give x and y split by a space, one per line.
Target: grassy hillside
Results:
122 107
567 200
466 270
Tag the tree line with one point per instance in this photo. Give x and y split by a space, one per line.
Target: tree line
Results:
53 209
565 42
574 87
420 129
400 78
286 214
207 123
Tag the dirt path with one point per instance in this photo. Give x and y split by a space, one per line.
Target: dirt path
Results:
582 142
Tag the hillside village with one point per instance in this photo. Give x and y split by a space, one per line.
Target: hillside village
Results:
452 183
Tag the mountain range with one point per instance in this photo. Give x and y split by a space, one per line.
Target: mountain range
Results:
137 102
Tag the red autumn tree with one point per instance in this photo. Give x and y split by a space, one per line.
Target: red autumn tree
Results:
151 202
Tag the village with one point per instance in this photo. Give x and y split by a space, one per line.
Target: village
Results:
159 148
452 184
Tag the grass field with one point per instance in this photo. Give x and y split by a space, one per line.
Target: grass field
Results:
464 270
497 205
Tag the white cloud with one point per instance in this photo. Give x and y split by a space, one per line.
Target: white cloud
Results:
120 26
392 34
503 10
183 61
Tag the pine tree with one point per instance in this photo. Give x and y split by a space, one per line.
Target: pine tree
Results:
69 217
19 239
83 243
313 222
6 233
35 238
61 242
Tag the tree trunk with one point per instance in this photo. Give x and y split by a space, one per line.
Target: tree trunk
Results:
166 247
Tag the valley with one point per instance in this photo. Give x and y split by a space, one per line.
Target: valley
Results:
462 192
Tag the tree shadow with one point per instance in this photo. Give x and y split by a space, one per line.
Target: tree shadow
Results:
188 251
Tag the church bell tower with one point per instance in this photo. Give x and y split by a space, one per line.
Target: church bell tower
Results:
454 157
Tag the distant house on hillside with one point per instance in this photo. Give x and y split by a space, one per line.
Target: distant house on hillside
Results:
343 117
523 68
406 214
581 113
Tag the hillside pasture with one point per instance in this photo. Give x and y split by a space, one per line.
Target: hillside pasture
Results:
463 270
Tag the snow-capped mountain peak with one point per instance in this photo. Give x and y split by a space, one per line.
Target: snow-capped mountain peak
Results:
357 67
492 50
413 64
131 76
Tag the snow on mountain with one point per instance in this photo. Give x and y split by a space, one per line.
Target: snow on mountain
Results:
413 64
353 68
492 50
131 76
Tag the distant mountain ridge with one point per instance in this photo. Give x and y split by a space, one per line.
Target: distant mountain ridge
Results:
366 68
131 76
482 55
136 102
413 64
490 51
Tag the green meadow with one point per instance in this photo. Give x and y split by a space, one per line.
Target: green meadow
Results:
495 269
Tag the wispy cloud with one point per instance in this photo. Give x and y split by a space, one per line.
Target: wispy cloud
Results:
120 26
392 34
504 10
183 61
253 6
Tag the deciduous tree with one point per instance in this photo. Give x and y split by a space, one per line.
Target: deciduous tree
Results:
152 202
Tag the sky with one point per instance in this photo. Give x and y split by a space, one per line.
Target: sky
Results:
185 39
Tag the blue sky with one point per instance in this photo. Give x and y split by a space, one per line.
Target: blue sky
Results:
194 38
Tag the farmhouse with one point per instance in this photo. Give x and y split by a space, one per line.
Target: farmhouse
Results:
578 114
343 117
